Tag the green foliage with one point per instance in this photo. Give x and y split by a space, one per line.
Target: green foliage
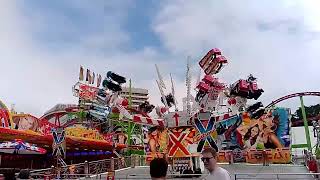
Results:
77 115
132 151
114 116
317 152
311 111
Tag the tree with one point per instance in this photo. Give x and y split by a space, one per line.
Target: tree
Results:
311 111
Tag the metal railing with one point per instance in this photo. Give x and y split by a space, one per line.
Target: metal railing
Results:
169 176
99 168
87 169
237 176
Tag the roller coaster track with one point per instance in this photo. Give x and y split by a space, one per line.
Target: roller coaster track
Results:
292 96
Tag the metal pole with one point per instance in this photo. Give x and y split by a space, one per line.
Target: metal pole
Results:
130 124
112 164
305 122
132 159
86 168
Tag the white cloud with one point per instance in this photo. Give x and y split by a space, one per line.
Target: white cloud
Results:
283 56
35 78
275 40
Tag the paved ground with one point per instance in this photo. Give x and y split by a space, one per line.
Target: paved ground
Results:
256 170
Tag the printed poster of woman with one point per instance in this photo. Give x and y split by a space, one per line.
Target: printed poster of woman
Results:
119 136
26 123
261 134
156 140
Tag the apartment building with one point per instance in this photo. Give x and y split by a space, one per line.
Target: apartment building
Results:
138 95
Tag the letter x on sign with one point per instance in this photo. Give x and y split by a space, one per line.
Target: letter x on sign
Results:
177 144
58 139
203 130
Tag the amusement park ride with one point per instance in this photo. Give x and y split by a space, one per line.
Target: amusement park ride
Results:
218 117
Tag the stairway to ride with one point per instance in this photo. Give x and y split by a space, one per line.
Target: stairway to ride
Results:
117 154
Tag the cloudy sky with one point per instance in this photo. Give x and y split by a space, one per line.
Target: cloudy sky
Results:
43 43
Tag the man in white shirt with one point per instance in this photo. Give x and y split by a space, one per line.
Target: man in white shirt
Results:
209 158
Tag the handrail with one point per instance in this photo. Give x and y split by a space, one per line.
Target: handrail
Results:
103 160
39 170
92 167
168 175
236 175
100 166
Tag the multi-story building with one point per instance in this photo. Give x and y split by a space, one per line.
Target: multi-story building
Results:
138 95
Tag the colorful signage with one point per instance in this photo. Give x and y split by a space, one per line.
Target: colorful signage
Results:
80 131
180 138
59 143
87 92
254 156
205 127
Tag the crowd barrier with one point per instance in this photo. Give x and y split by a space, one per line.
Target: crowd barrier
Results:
87 169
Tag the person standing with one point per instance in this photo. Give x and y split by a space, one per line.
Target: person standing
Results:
158 169
209 158
24 174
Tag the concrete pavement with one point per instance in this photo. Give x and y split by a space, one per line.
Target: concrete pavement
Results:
255 172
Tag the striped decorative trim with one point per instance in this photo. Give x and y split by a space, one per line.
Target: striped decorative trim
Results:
148 121
222 117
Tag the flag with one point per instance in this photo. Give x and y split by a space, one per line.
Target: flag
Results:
81 74
87 75
98 80
90 77
93 77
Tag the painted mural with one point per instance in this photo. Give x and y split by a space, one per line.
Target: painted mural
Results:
25 122
248 139
227 136
5 118
180 140
119 136
172 143
245 138
155 142
239 136
270 131
205 125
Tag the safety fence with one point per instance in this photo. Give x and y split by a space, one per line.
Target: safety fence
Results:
236 176
87 169
98 168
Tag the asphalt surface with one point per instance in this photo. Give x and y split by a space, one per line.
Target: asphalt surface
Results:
254 171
